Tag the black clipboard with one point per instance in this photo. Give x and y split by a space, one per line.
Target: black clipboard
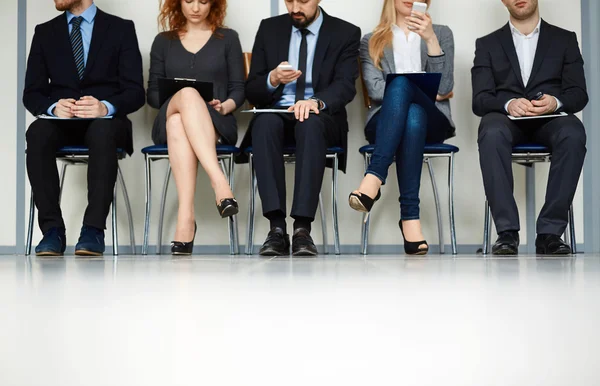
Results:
428 82
168 87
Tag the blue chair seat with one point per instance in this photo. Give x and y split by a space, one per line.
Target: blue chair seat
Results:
434 148
82 150
530 148
289 150
163 150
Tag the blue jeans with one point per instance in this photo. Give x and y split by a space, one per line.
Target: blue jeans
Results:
408 120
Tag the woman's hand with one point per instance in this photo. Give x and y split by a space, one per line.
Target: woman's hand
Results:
223 108
421 24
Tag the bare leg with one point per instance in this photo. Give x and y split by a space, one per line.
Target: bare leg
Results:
185 168
369 186
201 136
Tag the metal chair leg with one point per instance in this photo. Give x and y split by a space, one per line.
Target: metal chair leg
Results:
336 225
487 229
128 208
148 199
161 217
63 173
451 203
572 236
115 235
438 209
252 200
233 219
30 226
366 220
323 223
230 220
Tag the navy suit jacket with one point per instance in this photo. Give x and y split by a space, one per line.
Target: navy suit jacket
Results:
113 72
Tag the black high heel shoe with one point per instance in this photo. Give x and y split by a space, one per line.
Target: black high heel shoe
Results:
363 203
412 247
179 248
228 207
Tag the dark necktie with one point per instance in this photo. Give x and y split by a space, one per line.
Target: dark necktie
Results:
77 44
302 59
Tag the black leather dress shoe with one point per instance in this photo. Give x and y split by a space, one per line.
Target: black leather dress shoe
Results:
507 244
276 244
551 245
302 243
53 243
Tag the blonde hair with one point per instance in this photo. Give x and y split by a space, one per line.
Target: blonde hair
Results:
382 34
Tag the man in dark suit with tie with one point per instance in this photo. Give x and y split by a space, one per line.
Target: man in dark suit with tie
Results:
83 64
529 68
323 52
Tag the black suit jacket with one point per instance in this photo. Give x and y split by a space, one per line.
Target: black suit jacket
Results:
113 71
334 72
557 71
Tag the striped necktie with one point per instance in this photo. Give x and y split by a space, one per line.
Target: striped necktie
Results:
77 44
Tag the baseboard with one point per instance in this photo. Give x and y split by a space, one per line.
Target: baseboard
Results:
463 249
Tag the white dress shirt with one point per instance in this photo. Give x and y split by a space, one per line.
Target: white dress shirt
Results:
526 47
407 50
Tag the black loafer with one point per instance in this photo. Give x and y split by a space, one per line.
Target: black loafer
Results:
91 242
551 245
53 243
302 244
507 244
276 244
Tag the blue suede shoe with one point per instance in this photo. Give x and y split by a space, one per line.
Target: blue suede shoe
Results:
91 242
53 243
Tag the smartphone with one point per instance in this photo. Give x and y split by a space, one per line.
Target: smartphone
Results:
286 67
419 7
538 96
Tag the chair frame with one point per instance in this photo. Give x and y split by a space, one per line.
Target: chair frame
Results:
82 160
227 162
527 159
427 158
290 159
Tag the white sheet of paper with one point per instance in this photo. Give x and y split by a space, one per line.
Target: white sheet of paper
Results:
538 117
44 116
257 111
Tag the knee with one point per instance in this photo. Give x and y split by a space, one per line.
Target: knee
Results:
416 122
311 129
101 134
189 97
493 130
399 87
571 137
266 126
40 134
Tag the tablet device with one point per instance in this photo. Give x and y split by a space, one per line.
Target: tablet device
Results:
168 87
428 82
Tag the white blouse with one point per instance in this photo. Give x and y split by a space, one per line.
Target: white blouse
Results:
407 50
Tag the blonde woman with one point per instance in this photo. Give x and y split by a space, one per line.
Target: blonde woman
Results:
403 119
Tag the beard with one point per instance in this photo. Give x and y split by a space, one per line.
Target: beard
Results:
304 22
65 5
523 13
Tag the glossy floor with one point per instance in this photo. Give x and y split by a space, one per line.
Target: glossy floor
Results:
324 321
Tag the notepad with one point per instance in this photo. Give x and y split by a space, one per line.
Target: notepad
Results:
428 82
44 116
168 87
563 114
259 111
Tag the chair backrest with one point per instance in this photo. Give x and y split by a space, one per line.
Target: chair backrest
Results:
366 99
247 61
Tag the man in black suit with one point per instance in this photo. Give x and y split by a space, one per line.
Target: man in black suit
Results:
323 52
512 65
83 64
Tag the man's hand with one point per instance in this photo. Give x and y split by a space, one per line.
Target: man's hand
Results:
302 109
89 107
546 105
279 76
64 108
520 107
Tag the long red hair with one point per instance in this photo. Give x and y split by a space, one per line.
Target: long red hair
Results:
172 20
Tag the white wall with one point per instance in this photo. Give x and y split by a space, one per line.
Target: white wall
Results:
8 120
467 19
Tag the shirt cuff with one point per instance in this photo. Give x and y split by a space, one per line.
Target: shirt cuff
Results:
507 103
51 109
269 85
110 108
559 104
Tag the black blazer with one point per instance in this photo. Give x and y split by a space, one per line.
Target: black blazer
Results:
113 71
557 71
335 67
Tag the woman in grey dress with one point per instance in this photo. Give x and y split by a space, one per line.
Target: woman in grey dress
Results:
403 119
195 45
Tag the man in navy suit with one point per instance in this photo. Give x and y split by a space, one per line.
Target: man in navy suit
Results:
84 65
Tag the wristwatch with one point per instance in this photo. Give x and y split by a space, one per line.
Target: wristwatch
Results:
319 102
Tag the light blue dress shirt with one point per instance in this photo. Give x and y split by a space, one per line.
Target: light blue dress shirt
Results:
289 91
87 26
